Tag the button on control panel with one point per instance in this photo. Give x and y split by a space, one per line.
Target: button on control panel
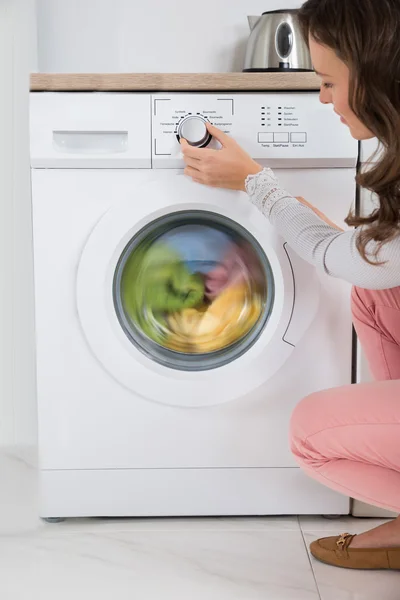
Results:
298 137
282 137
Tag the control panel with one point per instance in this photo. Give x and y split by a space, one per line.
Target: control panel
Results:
143 131
277 129
186 115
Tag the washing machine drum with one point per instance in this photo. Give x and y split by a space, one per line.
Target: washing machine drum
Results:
193 290
183 289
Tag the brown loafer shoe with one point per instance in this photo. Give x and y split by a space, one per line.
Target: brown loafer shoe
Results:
335 551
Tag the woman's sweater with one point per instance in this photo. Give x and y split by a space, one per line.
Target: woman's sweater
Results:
319 243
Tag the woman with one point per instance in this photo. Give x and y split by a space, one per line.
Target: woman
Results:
346 438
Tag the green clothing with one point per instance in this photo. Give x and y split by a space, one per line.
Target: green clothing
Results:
156 282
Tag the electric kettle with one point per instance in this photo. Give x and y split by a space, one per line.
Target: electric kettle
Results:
276 43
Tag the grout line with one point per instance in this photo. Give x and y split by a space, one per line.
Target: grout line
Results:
310 561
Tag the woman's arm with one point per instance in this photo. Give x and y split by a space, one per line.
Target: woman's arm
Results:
319 243
310 236
318 213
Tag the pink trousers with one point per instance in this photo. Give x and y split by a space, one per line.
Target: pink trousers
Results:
348 438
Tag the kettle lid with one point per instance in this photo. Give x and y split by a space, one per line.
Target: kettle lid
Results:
282 10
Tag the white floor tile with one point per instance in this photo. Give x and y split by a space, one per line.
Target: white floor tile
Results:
348 584
220 558
217 565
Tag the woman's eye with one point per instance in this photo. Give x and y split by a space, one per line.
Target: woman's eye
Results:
327 85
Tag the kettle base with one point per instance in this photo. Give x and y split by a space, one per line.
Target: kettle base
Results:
277 70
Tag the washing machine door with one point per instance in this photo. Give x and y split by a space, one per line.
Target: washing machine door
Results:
186 295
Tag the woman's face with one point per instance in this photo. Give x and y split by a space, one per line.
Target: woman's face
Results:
335 87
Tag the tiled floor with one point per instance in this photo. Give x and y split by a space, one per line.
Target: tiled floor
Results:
179 559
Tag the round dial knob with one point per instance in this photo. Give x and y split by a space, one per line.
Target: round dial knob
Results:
194 130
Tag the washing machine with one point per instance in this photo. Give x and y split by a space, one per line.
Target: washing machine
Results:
139 414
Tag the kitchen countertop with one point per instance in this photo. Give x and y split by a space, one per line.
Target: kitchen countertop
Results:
169 82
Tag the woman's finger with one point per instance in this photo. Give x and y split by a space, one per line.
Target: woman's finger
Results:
192 152
195 174
219 135
192 162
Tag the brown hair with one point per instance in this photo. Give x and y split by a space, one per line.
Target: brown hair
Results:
364 34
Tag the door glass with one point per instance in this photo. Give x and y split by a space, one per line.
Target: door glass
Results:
193 290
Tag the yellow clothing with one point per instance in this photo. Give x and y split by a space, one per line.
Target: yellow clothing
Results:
228 318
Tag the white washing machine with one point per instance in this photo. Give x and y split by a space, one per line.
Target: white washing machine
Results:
127 424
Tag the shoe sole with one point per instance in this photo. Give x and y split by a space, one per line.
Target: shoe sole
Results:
354 568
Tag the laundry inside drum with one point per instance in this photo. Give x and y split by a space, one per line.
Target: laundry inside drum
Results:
193 290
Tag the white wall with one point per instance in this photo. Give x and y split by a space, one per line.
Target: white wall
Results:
146 36
17 380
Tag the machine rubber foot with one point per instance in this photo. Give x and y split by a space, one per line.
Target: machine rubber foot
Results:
53 519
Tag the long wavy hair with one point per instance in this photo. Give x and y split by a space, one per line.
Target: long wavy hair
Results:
365 35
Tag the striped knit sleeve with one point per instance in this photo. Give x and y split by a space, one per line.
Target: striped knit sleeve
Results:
320 244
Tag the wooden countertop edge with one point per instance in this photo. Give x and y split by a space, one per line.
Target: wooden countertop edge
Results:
169 82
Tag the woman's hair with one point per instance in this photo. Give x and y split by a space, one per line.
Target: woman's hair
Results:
365 35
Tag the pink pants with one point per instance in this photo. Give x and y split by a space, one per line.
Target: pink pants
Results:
348 438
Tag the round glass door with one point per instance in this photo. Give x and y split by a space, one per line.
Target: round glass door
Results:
193 290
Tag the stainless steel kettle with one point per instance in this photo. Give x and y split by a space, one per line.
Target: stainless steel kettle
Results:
276 43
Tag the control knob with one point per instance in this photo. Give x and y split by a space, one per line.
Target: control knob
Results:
194 130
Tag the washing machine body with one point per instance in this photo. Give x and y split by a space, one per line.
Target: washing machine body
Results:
129 425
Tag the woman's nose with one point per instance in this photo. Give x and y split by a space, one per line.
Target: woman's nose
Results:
325 96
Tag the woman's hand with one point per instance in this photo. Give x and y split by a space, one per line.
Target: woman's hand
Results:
318 212
224 168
